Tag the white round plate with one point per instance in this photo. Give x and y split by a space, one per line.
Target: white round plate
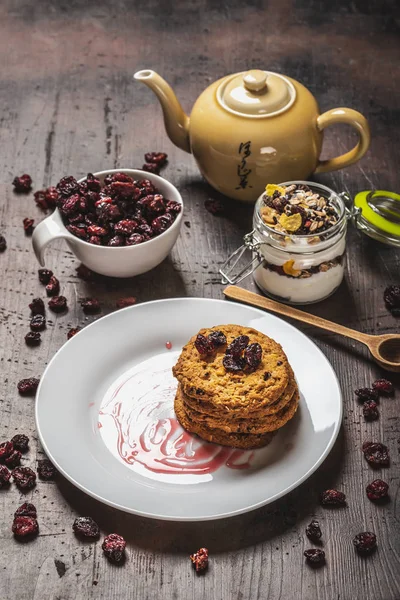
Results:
104 413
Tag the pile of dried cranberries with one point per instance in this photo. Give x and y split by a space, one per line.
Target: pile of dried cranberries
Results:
121 212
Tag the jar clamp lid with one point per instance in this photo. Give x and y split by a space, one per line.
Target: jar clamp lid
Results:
377 214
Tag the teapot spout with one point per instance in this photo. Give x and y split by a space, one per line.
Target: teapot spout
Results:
175 119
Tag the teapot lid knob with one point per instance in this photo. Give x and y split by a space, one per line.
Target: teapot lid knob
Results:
255 80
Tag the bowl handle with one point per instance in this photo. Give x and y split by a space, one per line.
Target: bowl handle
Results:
356 120
45 232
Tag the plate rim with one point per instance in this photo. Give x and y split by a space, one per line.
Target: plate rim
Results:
236 512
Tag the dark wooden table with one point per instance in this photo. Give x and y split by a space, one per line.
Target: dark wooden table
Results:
68 105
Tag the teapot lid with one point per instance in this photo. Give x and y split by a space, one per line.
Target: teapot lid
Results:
256 93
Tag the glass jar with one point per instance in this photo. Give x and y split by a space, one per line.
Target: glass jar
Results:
297 269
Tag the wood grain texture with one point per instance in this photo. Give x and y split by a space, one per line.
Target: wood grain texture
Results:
68 105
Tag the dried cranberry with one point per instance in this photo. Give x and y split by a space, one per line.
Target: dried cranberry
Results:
383 387
51 197
21 442
116 241
91 306
313 531
376 454
67 186
53 287
203 345
134 239
46 470
45 275
38 323
95 240
233 363
151 206
22 184
200 559
6 449
253 355
26 510
37 306
160 158
217 338
377 490
86 527
25 526
24 478
58 304
3 243
5 476
111 177
370 410
315 556
113 547
125 227
109 212
215 207
333 498
146 187
174 208
73 332
77 219
28 225
365 542
97 230
124 302
93 183
70 205
125 190
40 199
237 346
365 394
28 387
151 168
33 338
162 223
391 296
84 273
145 230
78 231
14 460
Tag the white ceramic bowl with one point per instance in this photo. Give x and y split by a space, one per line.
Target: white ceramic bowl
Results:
126 261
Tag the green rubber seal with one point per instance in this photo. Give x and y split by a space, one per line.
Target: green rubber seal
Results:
370 215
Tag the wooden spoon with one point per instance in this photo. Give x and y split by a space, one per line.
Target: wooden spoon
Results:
384 348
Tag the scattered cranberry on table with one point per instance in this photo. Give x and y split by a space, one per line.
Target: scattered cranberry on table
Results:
391 296
333 498
6 449
86 527
38 323
313 531
370 411
46 199
315 557
21 442
124 302
28 387
383 387
215 207
91 306
22 184
113 547
28 225
5 476
33 339
26 510
46 470
84 273
53 286
3 243
365 542
37 307
45 275
73 331
58 304
376 454
200 560
377 490
25 526
24 477
367 394
14 460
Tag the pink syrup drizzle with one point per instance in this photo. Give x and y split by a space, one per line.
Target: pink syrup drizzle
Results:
161 445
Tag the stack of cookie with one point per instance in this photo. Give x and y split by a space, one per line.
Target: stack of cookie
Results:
236 387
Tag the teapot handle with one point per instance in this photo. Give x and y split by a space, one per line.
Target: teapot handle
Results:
356 120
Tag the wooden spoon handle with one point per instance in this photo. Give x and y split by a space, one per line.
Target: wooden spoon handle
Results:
237 293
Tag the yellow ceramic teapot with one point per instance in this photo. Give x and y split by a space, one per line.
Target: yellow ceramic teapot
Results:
254 128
